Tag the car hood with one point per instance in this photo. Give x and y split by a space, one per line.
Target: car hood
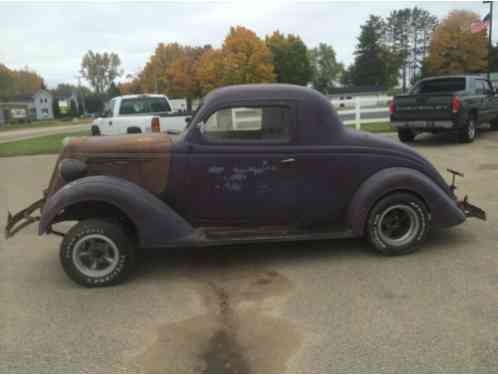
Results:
142 159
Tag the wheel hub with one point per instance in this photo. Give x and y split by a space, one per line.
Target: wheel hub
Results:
398 225
95 255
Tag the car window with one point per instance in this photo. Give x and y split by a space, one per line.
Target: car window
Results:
266 123
141 105
440 85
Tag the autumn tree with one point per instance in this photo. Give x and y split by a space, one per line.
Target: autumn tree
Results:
290 58
155 76
6 82
209 71
100 70
244 58
455 49
133 85
326 70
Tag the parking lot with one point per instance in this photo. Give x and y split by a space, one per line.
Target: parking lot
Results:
328 306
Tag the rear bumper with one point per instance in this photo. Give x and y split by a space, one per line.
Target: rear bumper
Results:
470 210
439 124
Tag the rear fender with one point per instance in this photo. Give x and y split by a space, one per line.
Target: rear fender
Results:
156 222
443 209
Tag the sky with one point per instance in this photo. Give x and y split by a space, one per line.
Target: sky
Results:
51 38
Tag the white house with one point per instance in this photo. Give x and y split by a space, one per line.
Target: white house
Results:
36 107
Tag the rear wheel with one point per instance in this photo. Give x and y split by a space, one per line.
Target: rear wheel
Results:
406 135
95 130
97 253
398 224
467 133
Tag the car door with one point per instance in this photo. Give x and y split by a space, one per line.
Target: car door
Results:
109 121
491 101
241 169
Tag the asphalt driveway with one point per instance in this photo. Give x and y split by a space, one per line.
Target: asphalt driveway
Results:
327 306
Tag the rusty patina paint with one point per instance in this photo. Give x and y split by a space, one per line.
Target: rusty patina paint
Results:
141 159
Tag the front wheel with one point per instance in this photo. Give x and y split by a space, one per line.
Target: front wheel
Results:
398 224
97 253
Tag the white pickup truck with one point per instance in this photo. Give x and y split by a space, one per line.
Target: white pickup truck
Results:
139 114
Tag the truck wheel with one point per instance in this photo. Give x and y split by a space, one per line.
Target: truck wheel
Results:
406 135
95 130
494 124
97 253
134 130
398 224
467 133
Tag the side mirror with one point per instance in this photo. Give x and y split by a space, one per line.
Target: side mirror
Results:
187 119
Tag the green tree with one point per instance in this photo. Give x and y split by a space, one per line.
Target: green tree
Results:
374 64
113 91
55 107
100 70
408 33
290 58
325 68
73 111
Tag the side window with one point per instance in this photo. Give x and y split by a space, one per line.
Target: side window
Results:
264 123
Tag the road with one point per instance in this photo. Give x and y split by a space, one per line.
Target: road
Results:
17 135
329 306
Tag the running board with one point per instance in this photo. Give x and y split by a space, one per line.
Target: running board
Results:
213 236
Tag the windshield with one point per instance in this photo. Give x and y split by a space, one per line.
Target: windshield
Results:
143 105
440 85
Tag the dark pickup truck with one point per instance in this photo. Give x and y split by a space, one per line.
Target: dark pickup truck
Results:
451 103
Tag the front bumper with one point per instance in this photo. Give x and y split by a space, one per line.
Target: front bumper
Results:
23 218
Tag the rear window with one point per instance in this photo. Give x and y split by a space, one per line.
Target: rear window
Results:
133 106
440 85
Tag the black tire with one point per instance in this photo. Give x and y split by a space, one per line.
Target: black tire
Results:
95 130
494 124
134 130
467 134
398 224
96 237
406 135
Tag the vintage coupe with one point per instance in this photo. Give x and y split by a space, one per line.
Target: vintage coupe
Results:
256 163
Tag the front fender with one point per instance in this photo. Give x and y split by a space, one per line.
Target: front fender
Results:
443 209
155 221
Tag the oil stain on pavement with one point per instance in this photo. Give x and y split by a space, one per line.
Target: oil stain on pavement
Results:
238 334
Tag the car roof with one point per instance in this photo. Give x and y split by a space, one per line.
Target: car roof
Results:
263 91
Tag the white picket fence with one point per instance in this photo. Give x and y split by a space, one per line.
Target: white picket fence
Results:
359 110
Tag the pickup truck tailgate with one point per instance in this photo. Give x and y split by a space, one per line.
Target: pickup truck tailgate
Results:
423 107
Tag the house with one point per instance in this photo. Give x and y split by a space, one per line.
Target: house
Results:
37 106
342 97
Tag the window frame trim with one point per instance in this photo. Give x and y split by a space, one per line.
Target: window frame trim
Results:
202 139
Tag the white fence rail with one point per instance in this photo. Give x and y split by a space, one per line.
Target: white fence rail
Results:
364 114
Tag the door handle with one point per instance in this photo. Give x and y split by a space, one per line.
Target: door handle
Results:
287 161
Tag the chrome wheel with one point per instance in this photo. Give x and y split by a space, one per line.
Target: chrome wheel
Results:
398 225
95 255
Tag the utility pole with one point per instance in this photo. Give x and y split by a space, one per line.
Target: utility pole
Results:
490 40
81 94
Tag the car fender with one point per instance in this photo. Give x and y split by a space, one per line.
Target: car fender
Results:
443 209
156 222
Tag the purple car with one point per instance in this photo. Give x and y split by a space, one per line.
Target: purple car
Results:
256 163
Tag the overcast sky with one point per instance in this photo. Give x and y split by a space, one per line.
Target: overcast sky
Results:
51 38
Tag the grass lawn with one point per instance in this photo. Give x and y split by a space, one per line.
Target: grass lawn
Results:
43 124
49 144
375 127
